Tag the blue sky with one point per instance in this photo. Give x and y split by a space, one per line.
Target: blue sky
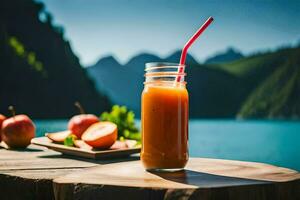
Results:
124 28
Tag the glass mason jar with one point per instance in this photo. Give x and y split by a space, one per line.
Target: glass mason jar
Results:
164 118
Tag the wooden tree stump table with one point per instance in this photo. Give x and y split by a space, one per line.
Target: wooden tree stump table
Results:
39 173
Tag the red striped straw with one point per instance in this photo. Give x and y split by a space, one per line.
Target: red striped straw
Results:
189 43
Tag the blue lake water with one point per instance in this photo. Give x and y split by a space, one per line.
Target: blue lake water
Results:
274 142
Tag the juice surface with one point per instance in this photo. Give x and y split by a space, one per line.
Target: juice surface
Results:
164 126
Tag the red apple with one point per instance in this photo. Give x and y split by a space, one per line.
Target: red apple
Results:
17 131
79 123
2 118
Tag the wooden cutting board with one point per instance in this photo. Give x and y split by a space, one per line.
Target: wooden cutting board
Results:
85 153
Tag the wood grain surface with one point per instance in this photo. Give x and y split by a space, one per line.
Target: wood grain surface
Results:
200 172
40 173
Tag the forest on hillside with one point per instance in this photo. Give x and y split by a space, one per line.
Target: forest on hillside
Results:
39 73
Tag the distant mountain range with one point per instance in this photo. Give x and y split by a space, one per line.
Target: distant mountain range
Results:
124 84
41 76
225 86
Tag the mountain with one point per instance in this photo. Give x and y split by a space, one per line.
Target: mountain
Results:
39 73
262 85
214 93
261 63
124 84
279 95
223 57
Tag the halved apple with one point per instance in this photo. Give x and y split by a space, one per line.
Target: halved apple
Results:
123 144
130 143
101 135
119 145
82 145
58 137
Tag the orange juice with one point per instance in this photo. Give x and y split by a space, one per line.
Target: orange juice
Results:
164 125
